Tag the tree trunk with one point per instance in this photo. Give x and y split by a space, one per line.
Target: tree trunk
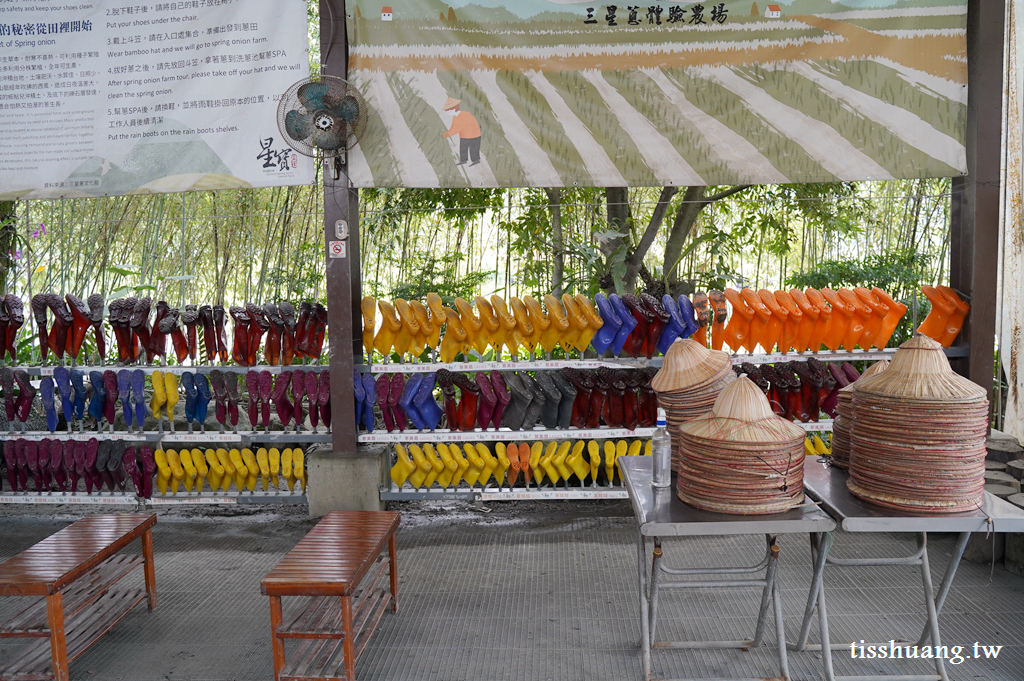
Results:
558 246
682 225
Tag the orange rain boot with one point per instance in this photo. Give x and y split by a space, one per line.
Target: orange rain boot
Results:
934 325
773 329
473 326
892 317
759 322
791 327
594 321
422 339
369 310
539 319
874 323
508 463
858 322
410 327
719 313
824 321
524 326
558 329
455 336
388 332
437 319
808 320
738 328
505 335
842 316
524 462
577 325
956 320
700 307
490 326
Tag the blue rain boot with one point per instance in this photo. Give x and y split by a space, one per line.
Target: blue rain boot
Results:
139 396
675 325
628 323
46 395
430 411
203 398
370 390
62 377
407 404
99 396
604 337
124 392
188 382
359 393
689 316
78 386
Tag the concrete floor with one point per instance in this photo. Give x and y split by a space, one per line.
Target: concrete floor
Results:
528 591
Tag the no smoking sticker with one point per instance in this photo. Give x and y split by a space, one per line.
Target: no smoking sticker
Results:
337 249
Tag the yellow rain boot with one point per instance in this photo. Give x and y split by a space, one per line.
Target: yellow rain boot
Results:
476 464
577 462
560 456
503 463
490 464
538 319
201 469
410 327
461 462
809 447
159 397
216 470
609 461
423 467
490 331
299 466
547 463
505 334
252 469
820 447
289 475
436 465
263 461
241 470
577 324
185 456
274 457
558 325
524 326
594 321
455 336
384 341
437 319
635 448
369 309
170 394
422 317
648 448
594 450
536 471
473 326
163 471
177 470
447 474
399 472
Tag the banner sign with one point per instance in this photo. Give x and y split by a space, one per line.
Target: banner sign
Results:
545 93
108 97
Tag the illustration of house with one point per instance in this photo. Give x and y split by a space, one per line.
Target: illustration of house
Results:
772 12
386 14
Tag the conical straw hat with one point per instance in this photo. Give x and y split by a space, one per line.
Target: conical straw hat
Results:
689 364
742 414
920 371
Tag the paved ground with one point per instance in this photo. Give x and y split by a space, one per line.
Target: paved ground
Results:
529 591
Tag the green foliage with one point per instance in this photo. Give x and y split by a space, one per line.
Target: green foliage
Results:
435 274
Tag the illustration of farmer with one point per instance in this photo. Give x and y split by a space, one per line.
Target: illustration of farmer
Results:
465 126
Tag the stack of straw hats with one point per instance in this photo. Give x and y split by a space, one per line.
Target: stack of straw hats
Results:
918 436
740 457
688 384
844 418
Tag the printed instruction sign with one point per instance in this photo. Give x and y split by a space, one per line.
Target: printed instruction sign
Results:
110 97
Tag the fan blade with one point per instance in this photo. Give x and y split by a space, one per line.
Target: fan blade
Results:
330 140
312 95
347 109
298 125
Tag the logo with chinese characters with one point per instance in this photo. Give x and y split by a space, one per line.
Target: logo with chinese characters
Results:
637 15
274 160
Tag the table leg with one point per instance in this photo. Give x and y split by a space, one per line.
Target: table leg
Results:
348 644
148 567
276 644
780 624
947 580
645 634
826 641
766 593
393 569
58 646
653 590
929 598
818 555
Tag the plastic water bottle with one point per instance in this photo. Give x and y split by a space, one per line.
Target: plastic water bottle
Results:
661 450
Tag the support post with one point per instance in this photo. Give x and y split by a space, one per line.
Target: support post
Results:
974 209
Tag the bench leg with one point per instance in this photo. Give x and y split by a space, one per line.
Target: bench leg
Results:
349 642
393 569
276 643
148 568
58 646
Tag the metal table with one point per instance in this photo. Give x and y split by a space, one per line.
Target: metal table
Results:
659 513
827 485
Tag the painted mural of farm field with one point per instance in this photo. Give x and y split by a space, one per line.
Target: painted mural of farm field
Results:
806 91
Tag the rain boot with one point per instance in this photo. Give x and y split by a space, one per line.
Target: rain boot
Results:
791 327
776 323
505 336
190 318
595 322
675 325
629 326
737 330
705 317
578 325
956 320
659 321
719 313
503 397
758 323
892 317
558 325
437 319
873 324
611 324
446 381
540 322
39 312
523 333
272 348
240 347
220 330
410 327
287 311
823 322
553 397
839 325
859 317
209 334
568 398
490 327
258 326
384 341
421 339
15 310
455 336
487 402
140 327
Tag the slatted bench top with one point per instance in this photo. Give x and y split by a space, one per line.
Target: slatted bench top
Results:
61 558
334 556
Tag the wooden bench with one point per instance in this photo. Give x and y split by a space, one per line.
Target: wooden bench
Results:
338 568
73 572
